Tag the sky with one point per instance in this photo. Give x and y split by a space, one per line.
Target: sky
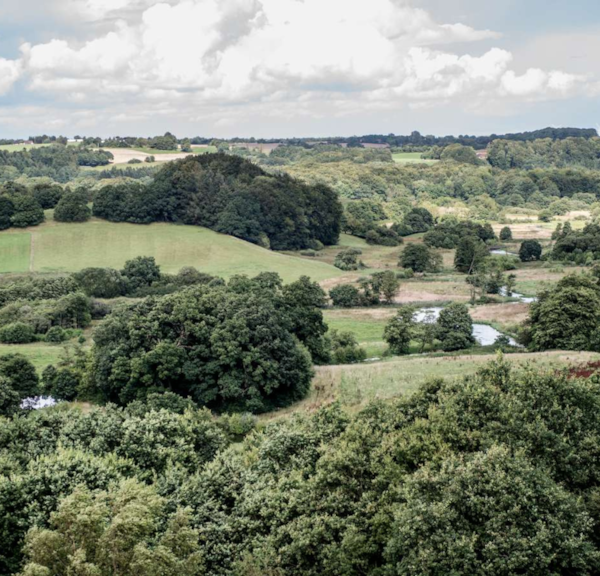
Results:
285 68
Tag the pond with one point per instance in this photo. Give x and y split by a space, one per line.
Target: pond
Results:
38 402
484 334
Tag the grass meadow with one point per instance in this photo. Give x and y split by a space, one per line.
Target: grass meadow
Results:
356 384
60 247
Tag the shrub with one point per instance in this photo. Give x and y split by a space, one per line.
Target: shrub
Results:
348 259
72 207
345 348
17 333
420 258
530 250
345 296
506 234
401 330
56 334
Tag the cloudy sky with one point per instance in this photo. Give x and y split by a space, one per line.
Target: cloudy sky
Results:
272 68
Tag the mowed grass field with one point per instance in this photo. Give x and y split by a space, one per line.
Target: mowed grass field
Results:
59 247
411 158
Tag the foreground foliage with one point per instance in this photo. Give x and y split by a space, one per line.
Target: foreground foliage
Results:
495 474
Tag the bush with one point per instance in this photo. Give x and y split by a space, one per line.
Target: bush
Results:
348 259
134 161
400 331
56 334
27 211
72 207
530 250
61 384
419 258
101 282
345 296
345 348
506 234
17 333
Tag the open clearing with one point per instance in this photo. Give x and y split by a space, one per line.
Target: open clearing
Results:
355 385
411 158
20 147
60 247
40 354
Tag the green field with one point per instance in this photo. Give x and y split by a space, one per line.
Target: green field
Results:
15 251
20 147
367 329
40 354
57 247
411 158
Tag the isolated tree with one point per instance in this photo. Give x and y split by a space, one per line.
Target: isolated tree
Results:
455 328
400 330
506 234
420 258
530 250
72 207
461 154
470 254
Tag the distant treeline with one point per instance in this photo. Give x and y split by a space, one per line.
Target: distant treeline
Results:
59 162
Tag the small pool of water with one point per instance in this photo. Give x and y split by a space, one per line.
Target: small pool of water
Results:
503 253
484 334
38 402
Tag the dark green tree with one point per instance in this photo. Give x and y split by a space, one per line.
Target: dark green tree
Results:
530 250
506 234
455 328
470 254
401 330
72 207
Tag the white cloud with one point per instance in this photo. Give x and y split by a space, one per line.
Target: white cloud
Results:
183 56
10 71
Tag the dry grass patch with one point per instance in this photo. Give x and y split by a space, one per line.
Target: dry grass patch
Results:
502 314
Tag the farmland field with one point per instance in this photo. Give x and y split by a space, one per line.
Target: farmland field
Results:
71 247
15 252
411 158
